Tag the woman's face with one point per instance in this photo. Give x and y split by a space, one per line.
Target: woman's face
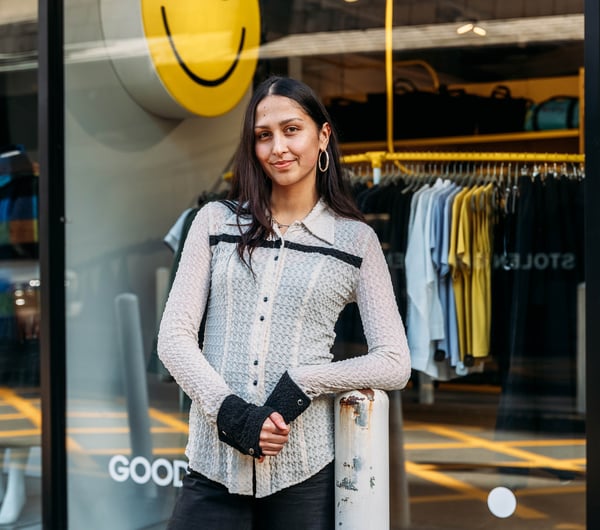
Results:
287 143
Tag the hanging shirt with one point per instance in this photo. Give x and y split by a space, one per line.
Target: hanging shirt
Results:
425 323
464 249
451 341
441 242
539 388
481 272
456 272
174 235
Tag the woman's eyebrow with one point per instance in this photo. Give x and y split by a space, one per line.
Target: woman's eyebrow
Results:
282 122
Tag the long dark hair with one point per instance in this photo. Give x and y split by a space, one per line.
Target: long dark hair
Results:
251 187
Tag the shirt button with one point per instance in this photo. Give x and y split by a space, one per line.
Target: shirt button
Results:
255 382
276 258
255 362
251 451
262 318
300 402
265 299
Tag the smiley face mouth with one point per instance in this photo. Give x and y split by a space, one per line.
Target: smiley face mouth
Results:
197 79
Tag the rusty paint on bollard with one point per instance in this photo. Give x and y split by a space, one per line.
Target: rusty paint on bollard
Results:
356 403
361 460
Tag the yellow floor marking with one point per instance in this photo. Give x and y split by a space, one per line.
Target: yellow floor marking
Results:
93 414
468 490
157 451
114 430
20 433
419 425
433 446
72 445
500 447
32 413
13 416
552 490
479 389
423 499
471 465
167 419
543 443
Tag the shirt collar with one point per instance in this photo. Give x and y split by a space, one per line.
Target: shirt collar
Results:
321 222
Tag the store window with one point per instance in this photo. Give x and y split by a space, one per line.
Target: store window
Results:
135 161
491 430
20 416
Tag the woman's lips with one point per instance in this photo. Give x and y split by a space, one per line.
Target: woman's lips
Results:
282 164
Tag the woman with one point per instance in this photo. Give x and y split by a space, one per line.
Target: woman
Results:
272 269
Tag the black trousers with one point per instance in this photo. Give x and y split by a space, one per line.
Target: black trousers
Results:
206 505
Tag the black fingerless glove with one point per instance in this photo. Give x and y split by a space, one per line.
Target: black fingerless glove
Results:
288 399
240 423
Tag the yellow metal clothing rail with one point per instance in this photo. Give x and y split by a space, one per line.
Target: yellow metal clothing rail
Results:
377 158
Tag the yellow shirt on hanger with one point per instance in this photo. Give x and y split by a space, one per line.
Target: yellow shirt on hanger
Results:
456 273
480 303
464 251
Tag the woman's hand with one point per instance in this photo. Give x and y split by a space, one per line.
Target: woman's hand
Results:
273 435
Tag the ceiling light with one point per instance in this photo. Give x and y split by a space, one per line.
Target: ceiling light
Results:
465 28
471 27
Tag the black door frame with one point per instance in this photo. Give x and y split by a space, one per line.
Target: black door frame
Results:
51 133
592 256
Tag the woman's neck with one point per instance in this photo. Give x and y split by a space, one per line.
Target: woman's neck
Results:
287 208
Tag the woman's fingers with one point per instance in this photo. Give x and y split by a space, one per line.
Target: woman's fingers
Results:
273 435
279 422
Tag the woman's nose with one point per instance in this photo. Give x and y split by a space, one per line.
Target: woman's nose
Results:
279 143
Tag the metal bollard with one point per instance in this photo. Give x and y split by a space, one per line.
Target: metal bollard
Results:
361 460
129 330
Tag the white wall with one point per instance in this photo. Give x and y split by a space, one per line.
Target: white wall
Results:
129 175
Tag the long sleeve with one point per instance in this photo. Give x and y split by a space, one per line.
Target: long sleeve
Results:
178 347
386 366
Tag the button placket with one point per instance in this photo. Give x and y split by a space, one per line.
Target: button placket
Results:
264 309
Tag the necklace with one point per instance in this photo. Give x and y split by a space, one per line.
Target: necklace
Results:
280 225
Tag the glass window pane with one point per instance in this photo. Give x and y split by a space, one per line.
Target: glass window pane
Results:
488 433
20 410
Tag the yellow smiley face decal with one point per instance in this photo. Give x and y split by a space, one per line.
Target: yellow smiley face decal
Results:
204 51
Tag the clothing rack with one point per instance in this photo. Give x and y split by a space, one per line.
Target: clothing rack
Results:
378 158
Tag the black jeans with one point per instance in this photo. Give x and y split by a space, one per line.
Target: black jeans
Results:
206 505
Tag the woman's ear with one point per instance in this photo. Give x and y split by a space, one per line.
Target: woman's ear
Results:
324 134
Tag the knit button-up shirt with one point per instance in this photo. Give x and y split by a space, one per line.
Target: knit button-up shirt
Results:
279 316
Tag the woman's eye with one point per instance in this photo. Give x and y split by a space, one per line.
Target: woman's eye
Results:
292 129
262 135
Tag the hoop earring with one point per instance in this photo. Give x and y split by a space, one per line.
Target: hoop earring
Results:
321 168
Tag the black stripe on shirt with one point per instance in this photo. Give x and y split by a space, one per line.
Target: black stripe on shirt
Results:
351 259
